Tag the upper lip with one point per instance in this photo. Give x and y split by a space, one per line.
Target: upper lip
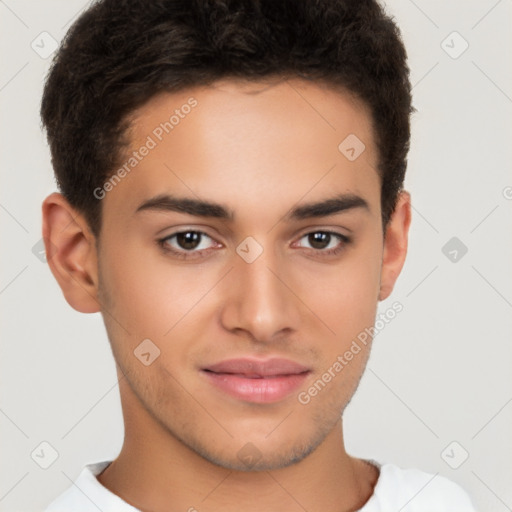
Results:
257 367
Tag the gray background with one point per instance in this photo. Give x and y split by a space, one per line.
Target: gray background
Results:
439 372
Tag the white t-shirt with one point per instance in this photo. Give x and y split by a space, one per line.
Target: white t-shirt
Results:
397 489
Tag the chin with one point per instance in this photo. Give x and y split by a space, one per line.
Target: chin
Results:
258 455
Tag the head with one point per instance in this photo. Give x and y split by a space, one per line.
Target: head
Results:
231 186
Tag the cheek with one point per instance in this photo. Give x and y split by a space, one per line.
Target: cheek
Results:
346 302
148 295
345 296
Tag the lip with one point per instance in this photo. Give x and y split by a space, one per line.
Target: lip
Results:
256 380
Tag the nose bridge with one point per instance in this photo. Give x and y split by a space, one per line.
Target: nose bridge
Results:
259 301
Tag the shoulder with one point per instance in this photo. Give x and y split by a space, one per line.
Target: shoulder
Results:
86 494
412 490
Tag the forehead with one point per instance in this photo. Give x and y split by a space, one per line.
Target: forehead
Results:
243 141
234 104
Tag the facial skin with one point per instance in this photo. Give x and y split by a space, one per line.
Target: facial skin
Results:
260 150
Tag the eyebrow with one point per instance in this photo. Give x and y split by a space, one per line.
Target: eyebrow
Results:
201 208
338 204
196 207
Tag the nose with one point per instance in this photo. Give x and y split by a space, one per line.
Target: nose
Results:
261 302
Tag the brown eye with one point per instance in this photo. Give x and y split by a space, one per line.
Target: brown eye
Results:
188 240
193 243
319 240
326 243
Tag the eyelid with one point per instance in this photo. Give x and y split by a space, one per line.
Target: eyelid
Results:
320 229
342 238
190 230
174 230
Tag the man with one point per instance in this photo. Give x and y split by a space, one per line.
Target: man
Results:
231 202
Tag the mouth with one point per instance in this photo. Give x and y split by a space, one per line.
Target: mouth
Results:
256 381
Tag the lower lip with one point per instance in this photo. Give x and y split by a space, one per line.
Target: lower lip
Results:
259 390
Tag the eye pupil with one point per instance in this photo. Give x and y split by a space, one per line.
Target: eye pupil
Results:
188 239
319 240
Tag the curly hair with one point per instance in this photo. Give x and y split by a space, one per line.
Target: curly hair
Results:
120 53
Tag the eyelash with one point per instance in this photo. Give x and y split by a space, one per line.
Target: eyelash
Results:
162 242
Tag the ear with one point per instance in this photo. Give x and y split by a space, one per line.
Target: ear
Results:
71 253
395 244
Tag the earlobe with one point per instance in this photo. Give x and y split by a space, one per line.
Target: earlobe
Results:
395 244
71 253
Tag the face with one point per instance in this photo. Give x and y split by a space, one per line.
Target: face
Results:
241 255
